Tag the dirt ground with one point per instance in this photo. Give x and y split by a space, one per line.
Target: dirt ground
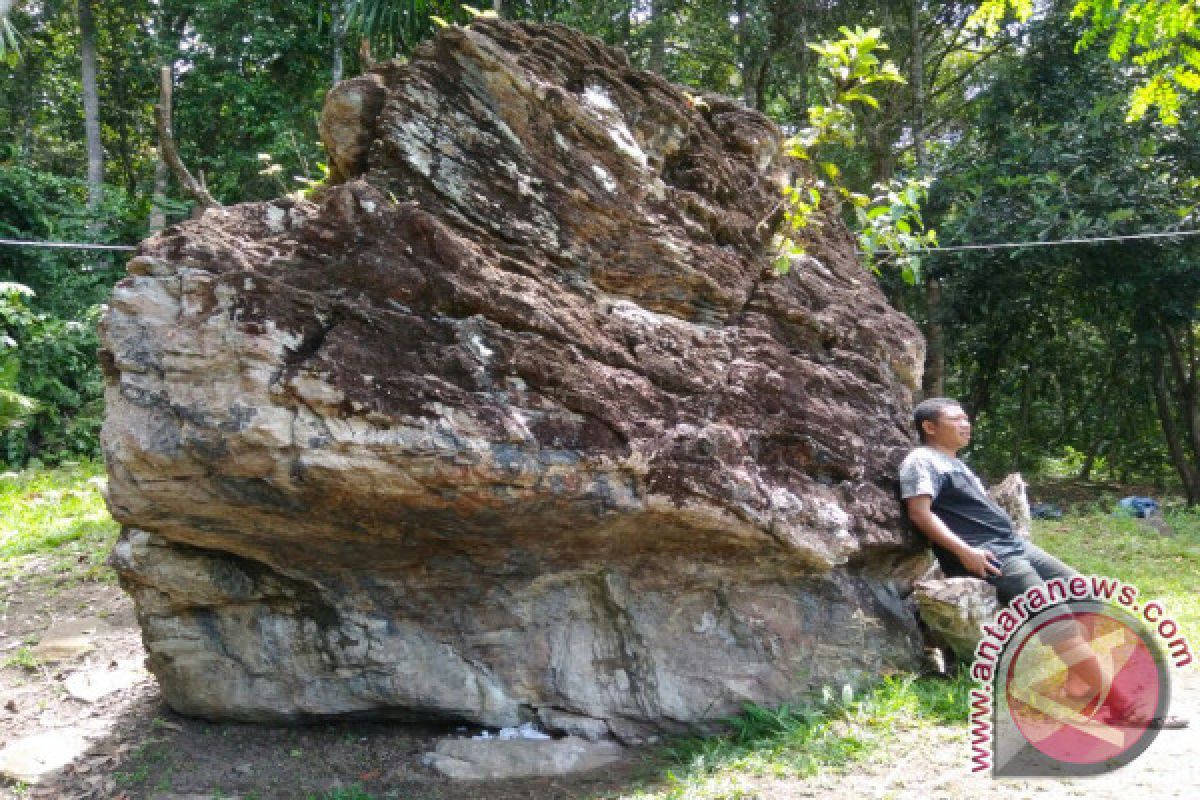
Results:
127 744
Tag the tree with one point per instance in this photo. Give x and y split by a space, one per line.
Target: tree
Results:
1159 36
8 35
1086 348
91 104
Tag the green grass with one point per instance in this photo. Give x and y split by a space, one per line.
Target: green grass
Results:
1162 568
799 742
354 792
59 513
23 657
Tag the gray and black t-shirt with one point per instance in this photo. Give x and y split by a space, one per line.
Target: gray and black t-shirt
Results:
960 501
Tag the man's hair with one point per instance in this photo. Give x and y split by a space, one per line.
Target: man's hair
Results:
930 410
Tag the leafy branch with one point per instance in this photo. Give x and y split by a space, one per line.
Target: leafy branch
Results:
889 221
1157 35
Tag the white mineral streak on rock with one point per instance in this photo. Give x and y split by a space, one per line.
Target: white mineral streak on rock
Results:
276 217
416 139
606 180
635 313
598 99
478 347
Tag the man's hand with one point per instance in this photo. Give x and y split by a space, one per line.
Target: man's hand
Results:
977 560
980 561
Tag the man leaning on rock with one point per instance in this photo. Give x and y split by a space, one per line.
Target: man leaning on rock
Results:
971 535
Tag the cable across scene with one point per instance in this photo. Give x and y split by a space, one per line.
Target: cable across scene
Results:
939 249
66 245
952 248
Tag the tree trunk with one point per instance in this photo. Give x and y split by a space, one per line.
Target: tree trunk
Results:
158 213
1023 423
623 27
1089 461
933 382
1183 369
91 105
656 59
338 41
742 53
917 78
1189 473
169 152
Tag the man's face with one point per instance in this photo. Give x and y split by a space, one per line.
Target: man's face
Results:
951 431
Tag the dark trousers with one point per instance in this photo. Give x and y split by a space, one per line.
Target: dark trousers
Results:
1021 573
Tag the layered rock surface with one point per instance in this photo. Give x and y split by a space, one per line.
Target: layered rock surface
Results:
515 421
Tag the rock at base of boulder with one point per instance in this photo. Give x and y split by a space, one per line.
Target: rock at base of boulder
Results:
954 609
497 759
573 724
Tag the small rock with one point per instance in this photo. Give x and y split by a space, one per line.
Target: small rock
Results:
498 759
90 685
30 758
68 638
954 609
573 724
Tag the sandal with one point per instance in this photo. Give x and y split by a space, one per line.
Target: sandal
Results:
1136 720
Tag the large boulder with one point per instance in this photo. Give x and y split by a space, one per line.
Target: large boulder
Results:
516 421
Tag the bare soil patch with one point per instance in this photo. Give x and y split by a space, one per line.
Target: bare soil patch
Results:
136 747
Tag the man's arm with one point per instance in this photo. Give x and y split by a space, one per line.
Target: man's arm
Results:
977 560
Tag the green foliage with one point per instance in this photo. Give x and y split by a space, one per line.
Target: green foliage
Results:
15 408
24 658
1158 35
10 45
890 225
799 741
398 26
42 206
59 370
51 401
890 221
1053 347
848 68
991 14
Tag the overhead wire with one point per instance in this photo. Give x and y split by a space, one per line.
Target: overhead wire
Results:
66 245
935 249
